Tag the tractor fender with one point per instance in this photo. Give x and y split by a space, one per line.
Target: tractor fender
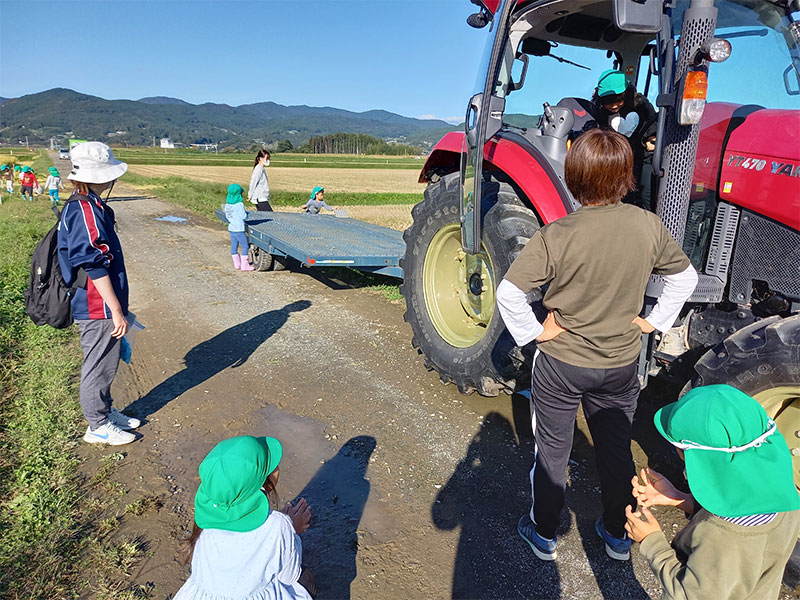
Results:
521 163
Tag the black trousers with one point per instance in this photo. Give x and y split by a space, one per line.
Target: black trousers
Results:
264 205
609 399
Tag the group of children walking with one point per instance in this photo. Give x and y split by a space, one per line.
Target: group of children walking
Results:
29 184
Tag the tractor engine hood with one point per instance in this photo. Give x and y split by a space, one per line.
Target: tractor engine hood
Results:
760 168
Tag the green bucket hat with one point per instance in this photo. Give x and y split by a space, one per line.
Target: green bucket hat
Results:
3 167
231 477
26 169
737 462
16 167
235 192
315 190
611 82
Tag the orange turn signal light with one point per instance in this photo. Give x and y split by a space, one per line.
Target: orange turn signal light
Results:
695 86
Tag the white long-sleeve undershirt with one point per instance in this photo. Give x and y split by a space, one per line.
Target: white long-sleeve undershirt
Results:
524 327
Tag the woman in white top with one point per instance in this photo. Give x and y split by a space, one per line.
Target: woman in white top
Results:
258 192
239 547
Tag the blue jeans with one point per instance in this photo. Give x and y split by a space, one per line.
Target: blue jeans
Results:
238 238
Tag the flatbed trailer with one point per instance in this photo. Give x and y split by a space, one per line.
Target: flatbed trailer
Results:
323 241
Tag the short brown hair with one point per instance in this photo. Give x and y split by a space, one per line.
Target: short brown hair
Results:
599 167
81 188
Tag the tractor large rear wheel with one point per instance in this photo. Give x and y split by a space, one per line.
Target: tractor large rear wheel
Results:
450 301
762 360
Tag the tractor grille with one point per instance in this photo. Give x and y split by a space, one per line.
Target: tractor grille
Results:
765 251
679 153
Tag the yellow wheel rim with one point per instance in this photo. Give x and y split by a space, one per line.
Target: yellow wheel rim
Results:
782 405
458 288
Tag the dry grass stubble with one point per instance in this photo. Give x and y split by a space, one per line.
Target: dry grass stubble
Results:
398 181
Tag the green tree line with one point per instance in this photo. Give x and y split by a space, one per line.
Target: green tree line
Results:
355 143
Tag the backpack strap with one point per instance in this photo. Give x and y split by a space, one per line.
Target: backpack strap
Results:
81 277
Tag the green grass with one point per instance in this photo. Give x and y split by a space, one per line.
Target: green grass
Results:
50 524
150 156
40 417
204 197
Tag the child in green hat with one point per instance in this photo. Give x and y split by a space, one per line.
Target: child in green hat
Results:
8 176
29 182
744 505
316 201
52 184
236 216
240 547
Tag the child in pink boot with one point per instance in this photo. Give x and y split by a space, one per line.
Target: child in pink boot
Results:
236 216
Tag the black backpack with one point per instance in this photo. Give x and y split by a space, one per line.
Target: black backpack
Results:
48 299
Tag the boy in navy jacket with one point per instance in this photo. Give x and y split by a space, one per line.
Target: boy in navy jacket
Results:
87 243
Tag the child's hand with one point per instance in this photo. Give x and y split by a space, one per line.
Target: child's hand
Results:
637 528
643 325
300 514
551 329
656 490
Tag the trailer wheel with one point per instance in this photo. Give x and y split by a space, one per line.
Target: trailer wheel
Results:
450 302
260 258
762 360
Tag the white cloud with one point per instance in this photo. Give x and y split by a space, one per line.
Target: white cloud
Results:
453 120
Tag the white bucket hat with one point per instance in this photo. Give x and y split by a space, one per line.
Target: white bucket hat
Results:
93 162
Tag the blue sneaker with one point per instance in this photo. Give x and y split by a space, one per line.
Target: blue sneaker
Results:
542 547
618 549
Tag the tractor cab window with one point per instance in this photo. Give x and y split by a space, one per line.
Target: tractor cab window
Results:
567 71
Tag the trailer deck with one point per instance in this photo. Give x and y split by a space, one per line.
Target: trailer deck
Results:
326 241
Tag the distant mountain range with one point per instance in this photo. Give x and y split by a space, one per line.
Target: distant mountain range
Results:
63 113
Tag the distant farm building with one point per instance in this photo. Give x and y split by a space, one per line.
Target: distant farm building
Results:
167 143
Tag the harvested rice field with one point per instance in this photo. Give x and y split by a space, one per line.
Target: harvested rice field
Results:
398 181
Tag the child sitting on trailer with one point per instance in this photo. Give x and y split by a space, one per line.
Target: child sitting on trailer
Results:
316 202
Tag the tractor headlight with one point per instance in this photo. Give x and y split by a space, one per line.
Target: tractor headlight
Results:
719 50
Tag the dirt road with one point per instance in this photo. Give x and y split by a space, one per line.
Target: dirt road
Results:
415 489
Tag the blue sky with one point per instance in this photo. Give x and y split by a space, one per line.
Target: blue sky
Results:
412 57
417 58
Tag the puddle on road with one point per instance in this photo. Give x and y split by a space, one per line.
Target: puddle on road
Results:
171 219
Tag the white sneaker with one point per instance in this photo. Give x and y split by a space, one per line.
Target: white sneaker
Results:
123 421
108 434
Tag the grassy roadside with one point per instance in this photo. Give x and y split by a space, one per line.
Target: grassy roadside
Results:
54 539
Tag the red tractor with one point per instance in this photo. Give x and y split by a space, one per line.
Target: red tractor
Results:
725 181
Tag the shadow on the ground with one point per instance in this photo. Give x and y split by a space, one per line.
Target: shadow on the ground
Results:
337 494
485 497
487 494
231 348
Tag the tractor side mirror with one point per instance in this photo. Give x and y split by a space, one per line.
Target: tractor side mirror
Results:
535 47
638 16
